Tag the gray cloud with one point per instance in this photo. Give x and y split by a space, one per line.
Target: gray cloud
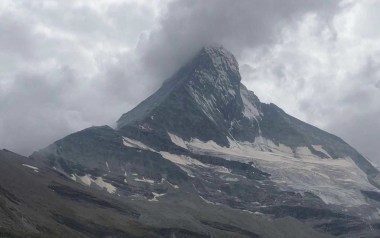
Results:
67 65
189 25
56 61
330 69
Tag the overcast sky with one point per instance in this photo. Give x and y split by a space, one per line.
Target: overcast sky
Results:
67 65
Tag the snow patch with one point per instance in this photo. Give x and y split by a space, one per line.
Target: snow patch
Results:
209 202
320 149
156 195
108 167
31 167
101 183
183 162
224 170
177 140
304 152
181 159
232 92
136 144
250 110
73 177
144 180
87 180
173 185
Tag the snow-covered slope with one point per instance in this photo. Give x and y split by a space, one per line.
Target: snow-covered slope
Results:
336 181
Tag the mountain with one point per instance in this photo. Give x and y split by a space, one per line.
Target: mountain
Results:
201 157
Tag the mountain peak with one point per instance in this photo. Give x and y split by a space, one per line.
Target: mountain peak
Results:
202 100
221 58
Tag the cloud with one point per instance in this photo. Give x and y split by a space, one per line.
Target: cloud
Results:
330 69
58 64
189 25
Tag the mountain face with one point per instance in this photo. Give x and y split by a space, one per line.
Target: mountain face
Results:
205 100
200 101
203 157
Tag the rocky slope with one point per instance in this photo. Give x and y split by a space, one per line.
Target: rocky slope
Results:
39 201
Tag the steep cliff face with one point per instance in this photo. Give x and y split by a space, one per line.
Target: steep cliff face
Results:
204 137
200 100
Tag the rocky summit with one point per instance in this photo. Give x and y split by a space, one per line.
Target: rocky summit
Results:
201 157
